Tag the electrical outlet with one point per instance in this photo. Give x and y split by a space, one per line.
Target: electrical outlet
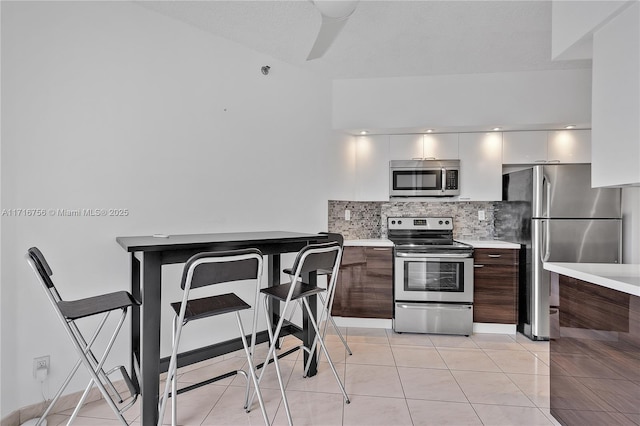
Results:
41 367
347 214
481 215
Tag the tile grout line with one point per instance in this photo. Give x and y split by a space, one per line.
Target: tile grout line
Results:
395 363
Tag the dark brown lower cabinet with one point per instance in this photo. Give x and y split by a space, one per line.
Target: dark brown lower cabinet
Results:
365 283
495 281
594 354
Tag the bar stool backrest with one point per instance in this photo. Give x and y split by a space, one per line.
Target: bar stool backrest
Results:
42 267
202 269
317 256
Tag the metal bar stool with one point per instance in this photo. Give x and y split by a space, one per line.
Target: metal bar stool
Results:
313 257
71 311
203 270
326 302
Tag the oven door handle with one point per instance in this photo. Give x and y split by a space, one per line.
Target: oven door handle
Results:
434 255
423 306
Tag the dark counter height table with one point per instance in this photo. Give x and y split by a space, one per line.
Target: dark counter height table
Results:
149 253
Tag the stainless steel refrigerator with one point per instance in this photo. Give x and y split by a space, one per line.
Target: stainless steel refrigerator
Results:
556 216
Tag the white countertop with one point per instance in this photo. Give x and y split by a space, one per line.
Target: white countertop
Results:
372 242
490 244
621 277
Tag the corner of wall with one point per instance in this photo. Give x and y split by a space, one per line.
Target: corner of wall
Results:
631 225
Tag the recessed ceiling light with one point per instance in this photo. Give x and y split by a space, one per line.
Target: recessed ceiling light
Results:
364 132
429 130
570 126
495 129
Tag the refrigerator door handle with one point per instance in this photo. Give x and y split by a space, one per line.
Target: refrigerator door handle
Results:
546 253
547 224
546 194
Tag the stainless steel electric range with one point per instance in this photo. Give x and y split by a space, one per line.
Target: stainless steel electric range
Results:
432 277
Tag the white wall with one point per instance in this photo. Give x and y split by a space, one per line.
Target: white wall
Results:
479 101
573 23
616 101
109 105
631 225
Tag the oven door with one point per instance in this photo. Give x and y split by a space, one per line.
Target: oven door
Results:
433 278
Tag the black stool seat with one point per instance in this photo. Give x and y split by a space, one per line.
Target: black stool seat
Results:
211 306
75 309
281 291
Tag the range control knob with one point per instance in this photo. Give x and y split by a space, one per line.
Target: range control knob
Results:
446 222
393 222
439 222
399 222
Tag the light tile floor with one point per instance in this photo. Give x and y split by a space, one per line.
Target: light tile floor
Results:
391 379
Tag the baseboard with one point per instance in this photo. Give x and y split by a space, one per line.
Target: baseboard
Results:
65 402
478 327
363 322
493 328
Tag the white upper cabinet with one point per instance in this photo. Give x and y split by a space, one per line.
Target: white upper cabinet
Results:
536 147
524 147
406 147
372 168
569 146
441 146
480 166
429 147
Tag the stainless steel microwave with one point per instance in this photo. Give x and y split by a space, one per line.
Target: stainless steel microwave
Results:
424 178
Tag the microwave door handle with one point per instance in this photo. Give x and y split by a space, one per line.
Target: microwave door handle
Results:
444 179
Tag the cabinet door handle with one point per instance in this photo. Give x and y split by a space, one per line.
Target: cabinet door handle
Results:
417 158
478 266
464 198
382 248
540 161
553 161
494 255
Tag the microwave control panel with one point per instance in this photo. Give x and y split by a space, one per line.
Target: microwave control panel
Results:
452 179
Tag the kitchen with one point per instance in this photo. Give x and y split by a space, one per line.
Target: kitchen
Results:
135 110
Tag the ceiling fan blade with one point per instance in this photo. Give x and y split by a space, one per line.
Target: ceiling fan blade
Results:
329 30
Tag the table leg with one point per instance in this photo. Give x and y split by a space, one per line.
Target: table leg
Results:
136 292
308 331
273 278
150 345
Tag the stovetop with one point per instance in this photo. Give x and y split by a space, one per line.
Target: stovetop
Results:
424 235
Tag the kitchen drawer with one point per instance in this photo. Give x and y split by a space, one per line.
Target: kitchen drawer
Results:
495 256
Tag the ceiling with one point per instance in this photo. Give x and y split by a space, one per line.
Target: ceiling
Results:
387 38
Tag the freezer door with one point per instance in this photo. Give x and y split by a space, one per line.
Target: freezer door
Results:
564 191
565 240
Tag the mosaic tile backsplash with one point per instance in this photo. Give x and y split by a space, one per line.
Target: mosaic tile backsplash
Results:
369 219
365 219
